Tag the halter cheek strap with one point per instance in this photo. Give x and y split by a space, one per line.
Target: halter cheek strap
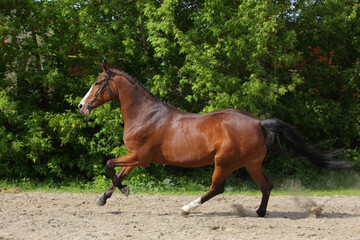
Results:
102 87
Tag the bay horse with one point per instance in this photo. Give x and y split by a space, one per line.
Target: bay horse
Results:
155 132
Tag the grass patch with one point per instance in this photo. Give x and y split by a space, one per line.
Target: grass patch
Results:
99 185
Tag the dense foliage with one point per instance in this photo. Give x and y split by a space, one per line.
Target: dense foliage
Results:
297 61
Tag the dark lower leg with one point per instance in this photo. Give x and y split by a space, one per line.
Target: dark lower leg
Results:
217 187
127 162
213 191
264 201
218 183
117 181
111 170
265 186
107 194
123 172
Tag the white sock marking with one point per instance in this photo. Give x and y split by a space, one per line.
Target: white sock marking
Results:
191 206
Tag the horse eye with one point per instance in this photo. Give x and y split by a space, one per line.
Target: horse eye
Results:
97 83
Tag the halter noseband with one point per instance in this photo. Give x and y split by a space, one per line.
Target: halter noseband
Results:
105 84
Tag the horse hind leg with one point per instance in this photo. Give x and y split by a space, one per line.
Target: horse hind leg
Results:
261 179
218 184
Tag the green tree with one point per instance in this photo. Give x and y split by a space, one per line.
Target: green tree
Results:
293 60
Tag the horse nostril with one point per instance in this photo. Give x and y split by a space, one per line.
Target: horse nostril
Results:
80 106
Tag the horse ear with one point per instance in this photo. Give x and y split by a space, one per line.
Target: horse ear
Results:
104 66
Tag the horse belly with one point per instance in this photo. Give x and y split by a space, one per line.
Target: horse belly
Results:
190 151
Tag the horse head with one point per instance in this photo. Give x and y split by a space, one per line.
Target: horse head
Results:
98 95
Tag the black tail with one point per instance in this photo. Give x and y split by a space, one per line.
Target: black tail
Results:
277 129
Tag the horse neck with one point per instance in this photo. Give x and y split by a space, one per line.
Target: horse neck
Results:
135 101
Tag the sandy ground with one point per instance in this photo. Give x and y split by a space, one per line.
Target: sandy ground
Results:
38 215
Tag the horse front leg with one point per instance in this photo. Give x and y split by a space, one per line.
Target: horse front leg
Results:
128 163
129 160
123 172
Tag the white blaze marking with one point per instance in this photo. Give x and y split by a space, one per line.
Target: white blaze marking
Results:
87 94
191 206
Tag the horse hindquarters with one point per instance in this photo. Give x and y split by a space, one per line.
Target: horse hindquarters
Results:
237 149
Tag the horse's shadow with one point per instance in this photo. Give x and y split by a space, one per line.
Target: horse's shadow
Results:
116 212
282 214
270 214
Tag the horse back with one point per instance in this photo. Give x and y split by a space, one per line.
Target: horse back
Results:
196 139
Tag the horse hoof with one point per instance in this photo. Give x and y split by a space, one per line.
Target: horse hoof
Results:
101 201
183 213
261 213
125 190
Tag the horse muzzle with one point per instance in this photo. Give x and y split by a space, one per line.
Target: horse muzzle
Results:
85 108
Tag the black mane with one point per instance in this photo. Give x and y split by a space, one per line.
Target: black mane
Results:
141 85
137 82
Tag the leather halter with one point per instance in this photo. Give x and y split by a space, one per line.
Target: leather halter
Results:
102 87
